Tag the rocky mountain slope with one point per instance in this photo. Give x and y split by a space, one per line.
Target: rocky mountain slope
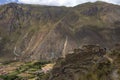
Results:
34 32
88 63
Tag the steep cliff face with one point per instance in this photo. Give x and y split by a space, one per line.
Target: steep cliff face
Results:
45 32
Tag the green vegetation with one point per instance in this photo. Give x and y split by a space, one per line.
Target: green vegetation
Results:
10 77
26 71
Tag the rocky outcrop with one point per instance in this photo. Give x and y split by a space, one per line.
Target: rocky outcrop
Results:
88 63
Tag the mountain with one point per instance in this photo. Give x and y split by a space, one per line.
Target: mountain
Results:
35 32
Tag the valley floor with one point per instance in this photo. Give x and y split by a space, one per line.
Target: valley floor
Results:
21 70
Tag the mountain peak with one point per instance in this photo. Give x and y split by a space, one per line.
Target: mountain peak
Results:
11 4
97 3
101 2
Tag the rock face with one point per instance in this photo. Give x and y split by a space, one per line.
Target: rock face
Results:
33 32
87 64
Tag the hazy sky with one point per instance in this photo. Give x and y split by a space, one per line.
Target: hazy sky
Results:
57 2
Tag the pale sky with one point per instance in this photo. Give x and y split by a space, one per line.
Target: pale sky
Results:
57 2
